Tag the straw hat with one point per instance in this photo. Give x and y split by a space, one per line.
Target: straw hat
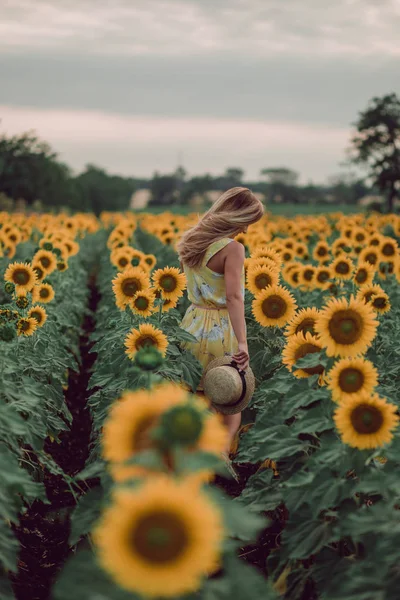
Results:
228 389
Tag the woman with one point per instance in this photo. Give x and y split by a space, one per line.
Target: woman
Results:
213 263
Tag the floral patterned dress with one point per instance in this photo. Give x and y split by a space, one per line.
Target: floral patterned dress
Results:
207 318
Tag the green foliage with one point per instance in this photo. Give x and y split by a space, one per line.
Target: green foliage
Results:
376 144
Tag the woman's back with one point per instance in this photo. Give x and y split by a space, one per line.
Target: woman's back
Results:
206 287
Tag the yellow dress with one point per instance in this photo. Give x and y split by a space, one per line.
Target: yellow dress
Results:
207 318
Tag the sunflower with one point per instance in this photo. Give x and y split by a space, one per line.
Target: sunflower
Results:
168 304
307 275
46 260
389 248
350 377
131 422
43 293
142 303
260 277
298 346
121 257
146 335
27 326
170 282
149 261
304 320
340 246
292 276
370 254
364 273
38 313
346 327
359 236
40 273
366 292
387 268
21 275
301 250
321 251
322 277
127 284
380 303
274 306
342 267
161 539
268 252
366 421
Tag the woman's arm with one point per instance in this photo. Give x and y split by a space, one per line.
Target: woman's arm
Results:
234 299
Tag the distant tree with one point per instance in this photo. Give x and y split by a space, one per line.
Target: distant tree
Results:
234 177
281 185
164 189
280 175
100 191
377 144
29 169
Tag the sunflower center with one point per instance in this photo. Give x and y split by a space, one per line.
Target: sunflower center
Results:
148 261
262 281
351 380
323 276
346 326
160 537
145 341
342 267
44 293
24 325
274 307
21 277
379 302
361 275
135 261
371 257
306 325
287 256
302 351
366 419
168 283
360 237
141 303
45 261
123 262
388 249
39 272
308 274
295 276
141 438
130 286
37 315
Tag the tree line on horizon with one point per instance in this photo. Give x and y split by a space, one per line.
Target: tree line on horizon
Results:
30 170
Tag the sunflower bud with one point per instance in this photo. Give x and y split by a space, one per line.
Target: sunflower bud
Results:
7 333
181 425
22 302
9 287
148 358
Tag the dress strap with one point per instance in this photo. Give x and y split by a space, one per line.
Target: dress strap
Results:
214 248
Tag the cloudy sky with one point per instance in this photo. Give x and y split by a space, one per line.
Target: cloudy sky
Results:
140 85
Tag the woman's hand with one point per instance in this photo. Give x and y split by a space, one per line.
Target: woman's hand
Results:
242 356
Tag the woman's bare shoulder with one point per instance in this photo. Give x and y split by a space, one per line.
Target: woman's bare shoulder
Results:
235 248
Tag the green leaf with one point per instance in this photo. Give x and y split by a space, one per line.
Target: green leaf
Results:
85 514
83 579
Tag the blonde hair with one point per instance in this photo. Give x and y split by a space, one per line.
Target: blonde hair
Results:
235 209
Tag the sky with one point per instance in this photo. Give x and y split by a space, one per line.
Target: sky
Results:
136 86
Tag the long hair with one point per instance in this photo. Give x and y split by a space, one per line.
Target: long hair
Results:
235 209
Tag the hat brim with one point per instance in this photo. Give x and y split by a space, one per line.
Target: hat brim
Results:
237 407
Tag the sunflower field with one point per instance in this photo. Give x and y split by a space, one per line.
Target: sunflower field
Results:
113 484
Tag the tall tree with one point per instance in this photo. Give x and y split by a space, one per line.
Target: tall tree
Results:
29 169
376 144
